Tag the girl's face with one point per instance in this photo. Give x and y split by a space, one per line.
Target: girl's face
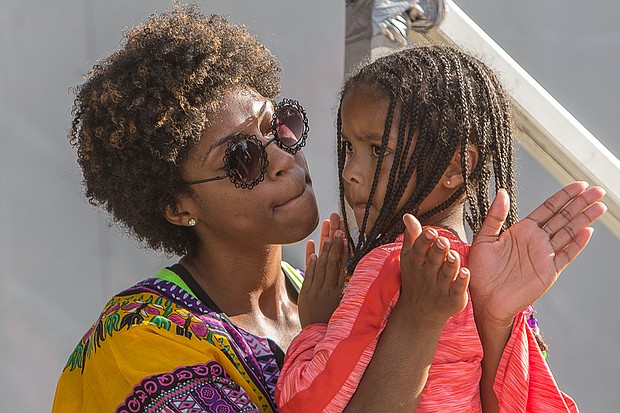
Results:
279 210
363 114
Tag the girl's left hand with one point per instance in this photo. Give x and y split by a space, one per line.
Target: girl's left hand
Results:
324 277
513 270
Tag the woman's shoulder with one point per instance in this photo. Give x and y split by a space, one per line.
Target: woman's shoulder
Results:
153 307
152 327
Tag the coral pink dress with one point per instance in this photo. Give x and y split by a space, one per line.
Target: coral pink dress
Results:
325 363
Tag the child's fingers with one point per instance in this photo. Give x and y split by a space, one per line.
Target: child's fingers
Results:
437 255
450 269
309 250
309 273
342 276
324 233
333 259
573 249
566 234
418 254
334 224
413 229
343 258
459 287
492 224
556 202
321 264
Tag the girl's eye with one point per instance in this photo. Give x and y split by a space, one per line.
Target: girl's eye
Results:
378 151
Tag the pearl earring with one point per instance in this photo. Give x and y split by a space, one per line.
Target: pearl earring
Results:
191 222
448 182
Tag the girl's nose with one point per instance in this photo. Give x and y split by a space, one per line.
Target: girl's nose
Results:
353 171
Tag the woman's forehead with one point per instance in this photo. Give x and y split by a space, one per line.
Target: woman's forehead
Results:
237 109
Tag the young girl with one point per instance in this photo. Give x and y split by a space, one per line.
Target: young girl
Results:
427 131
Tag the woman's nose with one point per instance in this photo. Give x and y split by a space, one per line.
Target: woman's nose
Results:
280 161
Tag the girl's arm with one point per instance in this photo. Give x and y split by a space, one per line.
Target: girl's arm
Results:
512 270
399 368
325 365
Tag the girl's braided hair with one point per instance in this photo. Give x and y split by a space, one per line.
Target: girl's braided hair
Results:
142 109
448 99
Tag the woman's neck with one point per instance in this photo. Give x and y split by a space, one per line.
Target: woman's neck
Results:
248 285
239 280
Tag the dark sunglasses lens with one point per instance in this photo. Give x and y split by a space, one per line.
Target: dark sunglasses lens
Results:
244 161
289 125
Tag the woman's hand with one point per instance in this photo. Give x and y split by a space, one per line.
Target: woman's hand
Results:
434 286
324 278
513 270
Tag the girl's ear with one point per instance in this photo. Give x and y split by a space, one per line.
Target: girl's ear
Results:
453 176
181 215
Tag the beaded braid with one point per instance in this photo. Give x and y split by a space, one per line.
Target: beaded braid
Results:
447 100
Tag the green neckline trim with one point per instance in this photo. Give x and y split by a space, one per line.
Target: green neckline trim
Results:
290 272
293 274
171 276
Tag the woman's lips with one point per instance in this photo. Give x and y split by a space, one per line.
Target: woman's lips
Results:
294 198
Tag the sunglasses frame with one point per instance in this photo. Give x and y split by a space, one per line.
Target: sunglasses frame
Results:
301 142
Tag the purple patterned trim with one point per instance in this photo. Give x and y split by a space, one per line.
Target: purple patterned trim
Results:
200 388
245 351
263 370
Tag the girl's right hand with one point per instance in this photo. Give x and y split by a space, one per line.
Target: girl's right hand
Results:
434 285
324 278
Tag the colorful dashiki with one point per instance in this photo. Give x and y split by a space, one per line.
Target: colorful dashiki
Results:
325 363
157 348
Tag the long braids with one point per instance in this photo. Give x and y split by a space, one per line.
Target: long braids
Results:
446 100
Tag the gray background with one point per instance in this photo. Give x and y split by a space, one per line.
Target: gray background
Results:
60 260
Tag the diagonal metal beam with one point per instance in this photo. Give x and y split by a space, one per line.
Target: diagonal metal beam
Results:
544 127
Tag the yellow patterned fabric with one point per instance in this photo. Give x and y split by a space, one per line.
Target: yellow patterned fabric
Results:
156 348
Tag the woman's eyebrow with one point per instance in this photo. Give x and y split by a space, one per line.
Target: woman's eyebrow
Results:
233 135
221 141
214 145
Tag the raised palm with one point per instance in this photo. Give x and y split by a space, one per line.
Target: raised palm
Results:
511 271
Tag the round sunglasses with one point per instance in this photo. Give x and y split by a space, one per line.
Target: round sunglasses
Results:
245 159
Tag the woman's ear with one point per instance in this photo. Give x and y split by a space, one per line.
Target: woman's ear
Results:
180 214
453 176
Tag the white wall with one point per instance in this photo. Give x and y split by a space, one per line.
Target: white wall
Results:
60 261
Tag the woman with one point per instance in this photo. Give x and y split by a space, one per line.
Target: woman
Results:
179 138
